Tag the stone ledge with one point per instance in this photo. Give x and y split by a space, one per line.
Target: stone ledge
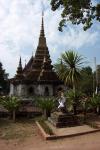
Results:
43 133
55 136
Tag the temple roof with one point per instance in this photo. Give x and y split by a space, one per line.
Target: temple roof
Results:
39 67
28 66
47 73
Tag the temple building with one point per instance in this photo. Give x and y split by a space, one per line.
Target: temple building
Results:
38 76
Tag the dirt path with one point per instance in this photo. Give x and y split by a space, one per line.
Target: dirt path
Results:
36 142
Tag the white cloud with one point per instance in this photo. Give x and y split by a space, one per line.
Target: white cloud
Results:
78 38
20 27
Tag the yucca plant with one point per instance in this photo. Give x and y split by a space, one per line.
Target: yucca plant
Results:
47 104
95 102
11 104
74 99
68 69
86 105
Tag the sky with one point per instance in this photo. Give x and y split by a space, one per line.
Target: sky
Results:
20 22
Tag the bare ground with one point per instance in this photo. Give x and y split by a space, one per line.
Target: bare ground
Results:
33 140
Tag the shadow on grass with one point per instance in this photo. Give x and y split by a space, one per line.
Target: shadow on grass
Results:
4 122
21 129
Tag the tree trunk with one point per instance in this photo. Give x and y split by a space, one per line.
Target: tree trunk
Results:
85 113
46 113
98 110
14 115
74 105
75 109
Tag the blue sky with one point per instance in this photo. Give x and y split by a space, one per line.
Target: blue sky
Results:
20 23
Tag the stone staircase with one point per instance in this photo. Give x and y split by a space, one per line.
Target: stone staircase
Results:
60 120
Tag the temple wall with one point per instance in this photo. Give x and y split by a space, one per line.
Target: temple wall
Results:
18 90
31 90
45 90
11 89
22 90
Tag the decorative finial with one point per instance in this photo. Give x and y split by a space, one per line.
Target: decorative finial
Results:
20 62
42 26
42 13
42 4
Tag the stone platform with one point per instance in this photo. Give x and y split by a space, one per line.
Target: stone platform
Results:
59 119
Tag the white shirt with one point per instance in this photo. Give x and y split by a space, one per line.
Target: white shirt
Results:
61 102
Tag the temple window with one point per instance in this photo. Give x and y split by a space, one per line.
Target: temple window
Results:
31 91
46 93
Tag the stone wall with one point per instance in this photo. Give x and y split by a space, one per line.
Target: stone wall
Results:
32 89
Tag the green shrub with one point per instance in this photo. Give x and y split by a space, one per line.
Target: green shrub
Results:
11 104
47 104
46 128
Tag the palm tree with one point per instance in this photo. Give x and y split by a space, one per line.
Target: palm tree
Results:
74 98
11 104
68 69
47 104
95 103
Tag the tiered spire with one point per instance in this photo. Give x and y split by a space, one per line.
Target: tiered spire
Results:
42 39
42 49
39 68
42 67
42 27
47 74
19 69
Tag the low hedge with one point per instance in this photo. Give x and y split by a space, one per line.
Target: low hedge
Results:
46 128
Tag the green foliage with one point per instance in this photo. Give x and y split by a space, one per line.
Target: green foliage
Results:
4 85
69 70
60 68
77 12
85 104
46 128
90 103
46 103
73 98
2 71
95 101
86 84
68 67
10 103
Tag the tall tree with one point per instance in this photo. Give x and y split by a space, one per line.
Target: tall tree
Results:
86 84
77 12
4 86
2 71
69 70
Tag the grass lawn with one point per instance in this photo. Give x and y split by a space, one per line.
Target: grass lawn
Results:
21 129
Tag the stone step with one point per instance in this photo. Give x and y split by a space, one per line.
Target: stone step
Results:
63 120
